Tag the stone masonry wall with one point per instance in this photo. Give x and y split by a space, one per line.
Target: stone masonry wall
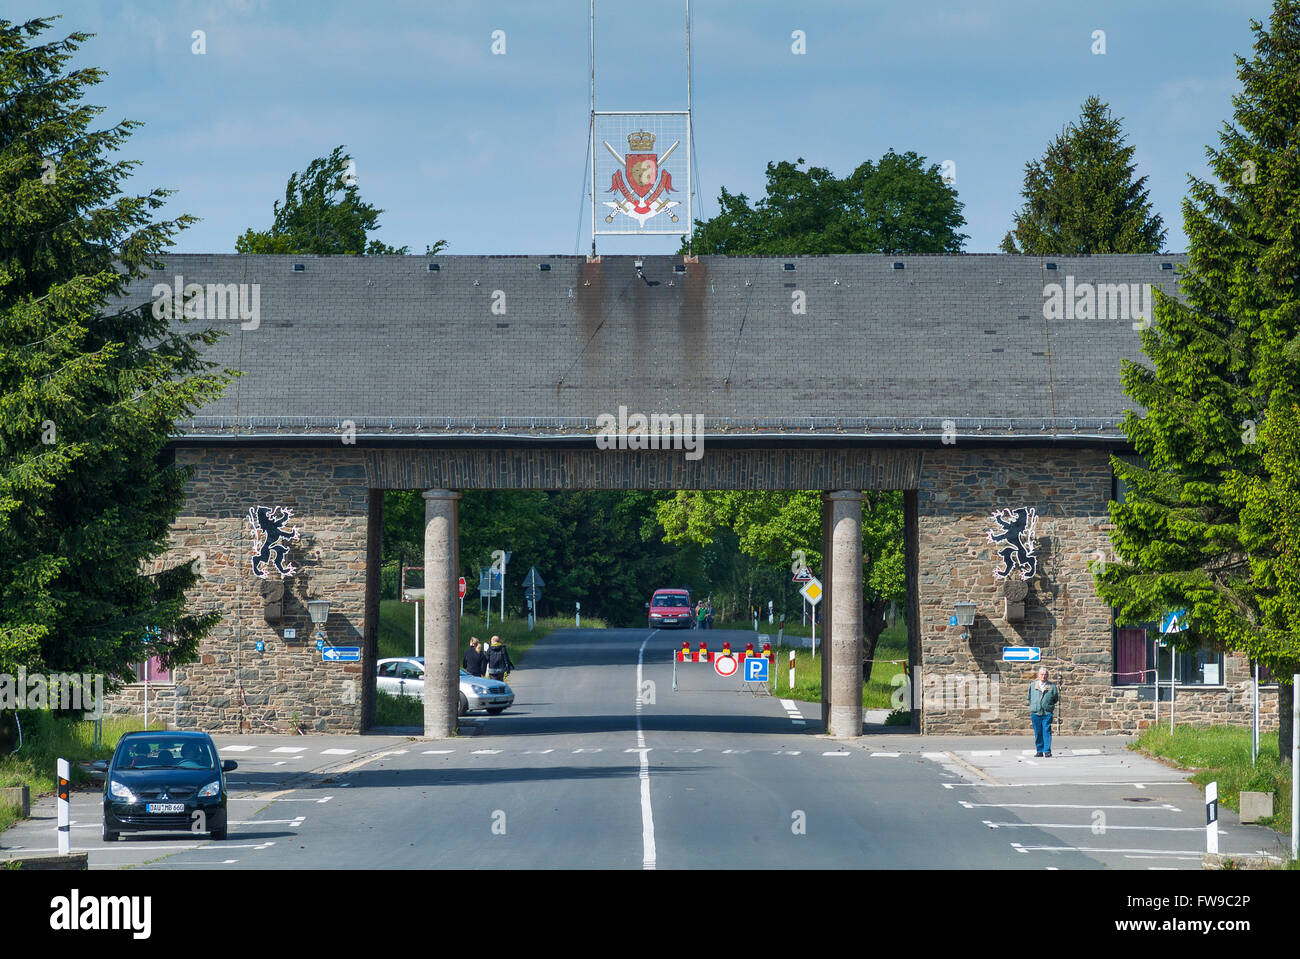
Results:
1070 489
234 687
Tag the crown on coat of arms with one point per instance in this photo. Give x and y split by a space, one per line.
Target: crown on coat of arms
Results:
641 141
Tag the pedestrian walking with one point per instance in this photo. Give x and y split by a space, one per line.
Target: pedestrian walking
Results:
498 659
701 615
474 661
1043 699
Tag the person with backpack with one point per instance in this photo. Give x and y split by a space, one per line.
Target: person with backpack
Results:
1043 699
475 660
498 659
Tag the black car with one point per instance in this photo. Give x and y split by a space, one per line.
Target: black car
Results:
165 780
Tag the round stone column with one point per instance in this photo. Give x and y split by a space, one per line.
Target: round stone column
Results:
845 719
441 613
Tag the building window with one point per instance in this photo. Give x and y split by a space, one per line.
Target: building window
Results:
1200 667
1132 657
152 672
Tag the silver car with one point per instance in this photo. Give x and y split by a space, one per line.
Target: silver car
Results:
405 677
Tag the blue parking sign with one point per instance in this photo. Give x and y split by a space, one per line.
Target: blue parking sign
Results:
756 669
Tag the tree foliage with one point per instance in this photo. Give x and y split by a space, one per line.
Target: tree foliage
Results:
1208 522
1081 197
895 206
89 391
323 214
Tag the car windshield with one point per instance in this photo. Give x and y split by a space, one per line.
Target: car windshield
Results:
162 752
670 599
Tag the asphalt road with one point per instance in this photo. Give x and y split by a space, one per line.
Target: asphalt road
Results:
602 764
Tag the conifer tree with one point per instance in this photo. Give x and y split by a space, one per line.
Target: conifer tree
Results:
1205 522
1081 197
90 386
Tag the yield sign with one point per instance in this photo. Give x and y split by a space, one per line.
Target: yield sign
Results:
812 591
804 575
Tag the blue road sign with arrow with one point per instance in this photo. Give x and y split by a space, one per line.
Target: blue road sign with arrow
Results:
342 654
756 669
1021 654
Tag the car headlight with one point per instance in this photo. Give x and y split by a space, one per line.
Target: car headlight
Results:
118 791
211 789
656 616
480 690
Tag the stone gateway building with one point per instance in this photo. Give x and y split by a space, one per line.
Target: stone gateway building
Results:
986 388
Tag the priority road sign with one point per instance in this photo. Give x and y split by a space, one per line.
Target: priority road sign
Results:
812 591
756 669
725 666
342 654
1021 654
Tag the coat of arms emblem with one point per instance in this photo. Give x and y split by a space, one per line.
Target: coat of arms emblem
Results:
644 192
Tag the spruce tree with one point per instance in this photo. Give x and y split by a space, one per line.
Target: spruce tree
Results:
1203 525
1082 197
90 386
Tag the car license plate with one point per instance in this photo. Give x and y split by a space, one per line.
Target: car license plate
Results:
164 807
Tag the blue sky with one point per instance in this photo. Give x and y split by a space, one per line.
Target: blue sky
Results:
489 151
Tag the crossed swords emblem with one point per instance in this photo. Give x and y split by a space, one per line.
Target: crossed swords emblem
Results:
661 202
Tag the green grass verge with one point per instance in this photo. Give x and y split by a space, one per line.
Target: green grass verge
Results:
1222 754
393 710
397 630
47 739
891 655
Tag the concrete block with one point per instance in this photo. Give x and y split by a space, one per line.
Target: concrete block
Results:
1256 806
19 797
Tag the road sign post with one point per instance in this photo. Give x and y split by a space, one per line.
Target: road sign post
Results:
812 591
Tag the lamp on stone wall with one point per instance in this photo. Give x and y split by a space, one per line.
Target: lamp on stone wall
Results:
320 612
965 617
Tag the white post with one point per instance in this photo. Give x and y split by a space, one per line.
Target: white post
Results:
1212 817
1295 763
803 611
1172 693
1157 683
417 629
814 631
577 615
792 669
65 806
146 692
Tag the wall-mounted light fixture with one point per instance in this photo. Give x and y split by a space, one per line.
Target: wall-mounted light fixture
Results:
965 617
320 612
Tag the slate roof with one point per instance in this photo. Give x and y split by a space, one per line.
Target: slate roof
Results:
400 349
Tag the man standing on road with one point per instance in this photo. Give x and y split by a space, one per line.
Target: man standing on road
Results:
498 659
1043 697
474 660
701 614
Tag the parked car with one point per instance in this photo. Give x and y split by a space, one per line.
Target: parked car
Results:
405 677
670 608
165 781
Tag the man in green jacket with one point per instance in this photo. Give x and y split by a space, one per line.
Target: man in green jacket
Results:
1043 697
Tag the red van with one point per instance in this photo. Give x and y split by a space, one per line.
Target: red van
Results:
671 608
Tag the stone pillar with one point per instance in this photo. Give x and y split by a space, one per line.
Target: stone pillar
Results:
845 719
441 613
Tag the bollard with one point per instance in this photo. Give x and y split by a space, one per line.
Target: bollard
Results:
1212 818
792 669
65 807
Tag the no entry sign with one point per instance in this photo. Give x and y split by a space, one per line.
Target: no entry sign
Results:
725 666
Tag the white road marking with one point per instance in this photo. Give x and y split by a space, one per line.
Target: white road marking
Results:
835 752
888 755
937 757
1192 858
234 749
1069 782
391 752
280 763
1088 825
537 752
1153 853
787 752
275 799
486 752
287 749
986 752
337 752
437 752
648 855
589 749
1161 807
